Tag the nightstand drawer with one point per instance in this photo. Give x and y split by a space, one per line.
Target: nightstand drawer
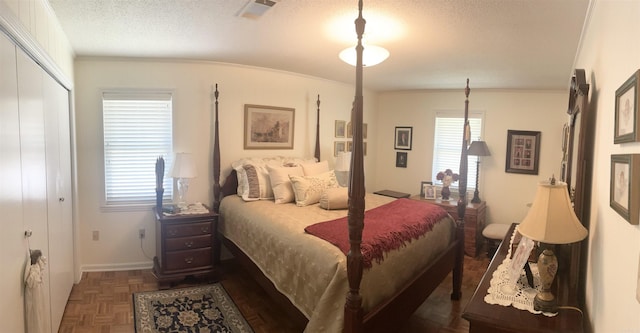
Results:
190 229
186 243
192 259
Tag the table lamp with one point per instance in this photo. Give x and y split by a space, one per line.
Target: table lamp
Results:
550 220
343 164
478 148
183 168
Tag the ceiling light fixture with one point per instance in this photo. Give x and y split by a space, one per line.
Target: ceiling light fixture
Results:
371 55
254 9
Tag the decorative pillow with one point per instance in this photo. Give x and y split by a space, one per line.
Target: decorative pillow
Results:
256 183
293 161
308 189
313 169
281 184
258 187
335 198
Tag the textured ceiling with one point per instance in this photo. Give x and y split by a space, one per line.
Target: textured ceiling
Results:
434 44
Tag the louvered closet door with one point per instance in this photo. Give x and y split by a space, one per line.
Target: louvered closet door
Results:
12 243
59 220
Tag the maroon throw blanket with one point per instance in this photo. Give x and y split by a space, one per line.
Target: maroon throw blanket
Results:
386 227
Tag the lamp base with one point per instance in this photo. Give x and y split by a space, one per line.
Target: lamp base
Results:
547 267
476 196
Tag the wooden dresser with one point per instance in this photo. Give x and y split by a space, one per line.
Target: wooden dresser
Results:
474 221
490 318
185 246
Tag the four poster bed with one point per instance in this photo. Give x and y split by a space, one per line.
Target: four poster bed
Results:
309 258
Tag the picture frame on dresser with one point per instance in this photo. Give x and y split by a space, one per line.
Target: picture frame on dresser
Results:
423 185
523 152
624 198
627 122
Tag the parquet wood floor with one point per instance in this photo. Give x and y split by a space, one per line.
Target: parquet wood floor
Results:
102 302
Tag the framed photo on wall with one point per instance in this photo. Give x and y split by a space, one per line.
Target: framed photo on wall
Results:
624 198
339 147
627 122
401 160
268 127
403 138
523 152
341 129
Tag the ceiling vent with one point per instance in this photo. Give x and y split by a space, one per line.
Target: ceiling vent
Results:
256 8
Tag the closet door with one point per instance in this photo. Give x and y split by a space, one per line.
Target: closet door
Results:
33 159
59 220
12 242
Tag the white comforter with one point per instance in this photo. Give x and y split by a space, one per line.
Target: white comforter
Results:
311 272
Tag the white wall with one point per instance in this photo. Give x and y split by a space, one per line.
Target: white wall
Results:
506 194
119 247
610 54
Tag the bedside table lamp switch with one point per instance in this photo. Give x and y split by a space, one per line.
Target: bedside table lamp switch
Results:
551 220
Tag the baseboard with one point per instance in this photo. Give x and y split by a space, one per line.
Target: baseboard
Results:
117 267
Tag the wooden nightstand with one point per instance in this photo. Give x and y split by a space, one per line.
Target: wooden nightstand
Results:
185 246
474 221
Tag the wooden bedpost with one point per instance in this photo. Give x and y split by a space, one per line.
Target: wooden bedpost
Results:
353 313
317 152
456 294
216 150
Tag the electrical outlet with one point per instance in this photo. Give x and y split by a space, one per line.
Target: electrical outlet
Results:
141 233
96 235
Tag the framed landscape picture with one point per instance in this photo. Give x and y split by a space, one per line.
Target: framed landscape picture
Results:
523 152
268 127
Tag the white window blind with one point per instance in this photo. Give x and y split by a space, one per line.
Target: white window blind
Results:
137 130
448 143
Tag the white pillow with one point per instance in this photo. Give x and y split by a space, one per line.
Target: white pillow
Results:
313 169
281 184
308 189
335 198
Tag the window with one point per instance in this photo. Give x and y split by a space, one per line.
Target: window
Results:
448 143
137 130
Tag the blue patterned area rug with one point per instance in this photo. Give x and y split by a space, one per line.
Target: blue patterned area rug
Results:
203 309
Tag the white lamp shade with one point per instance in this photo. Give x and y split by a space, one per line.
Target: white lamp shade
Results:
551 218
371 55
184 166
343 161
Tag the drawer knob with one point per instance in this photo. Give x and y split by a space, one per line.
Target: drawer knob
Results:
172 232
205 230
188 260
188 244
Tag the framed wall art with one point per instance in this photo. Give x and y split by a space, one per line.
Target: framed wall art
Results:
623 197
523 152
341 129
403 137
268 127
627 122
339 147
401 159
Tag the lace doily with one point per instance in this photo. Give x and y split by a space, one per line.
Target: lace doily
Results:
520 295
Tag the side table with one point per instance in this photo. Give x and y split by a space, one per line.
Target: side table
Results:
474 221
185 246
490 318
